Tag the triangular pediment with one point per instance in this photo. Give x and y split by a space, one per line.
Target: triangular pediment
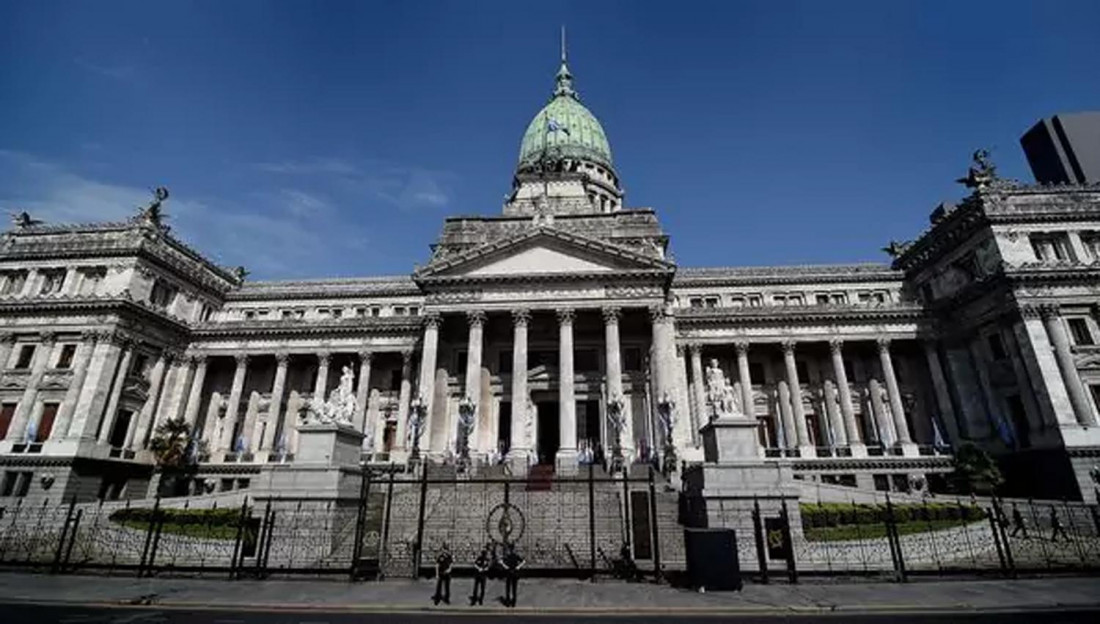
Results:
543 252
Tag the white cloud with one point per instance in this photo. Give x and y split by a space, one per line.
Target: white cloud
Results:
402 186
302 204
309 167
114 72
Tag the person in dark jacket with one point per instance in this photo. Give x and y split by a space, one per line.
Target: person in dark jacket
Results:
443 563
481 573
513 561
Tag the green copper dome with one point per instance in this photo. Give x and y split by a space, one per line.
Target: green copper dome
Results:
564 128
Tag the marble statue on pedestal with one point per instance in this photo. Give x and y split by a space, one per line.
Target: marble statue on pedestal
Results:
721 399
340 407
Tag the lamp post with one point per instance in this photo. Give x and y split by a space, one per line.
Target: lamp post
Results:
666 413
616 420
417 413
466 410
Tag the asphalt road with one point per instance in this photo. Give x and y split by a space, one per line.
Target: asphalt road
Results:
77 614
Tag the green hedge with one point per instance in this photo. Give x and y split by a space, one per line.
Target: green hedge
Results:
846 514
226 517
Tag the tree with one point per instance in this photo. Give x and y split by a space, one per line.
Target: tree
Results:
169 443
975 471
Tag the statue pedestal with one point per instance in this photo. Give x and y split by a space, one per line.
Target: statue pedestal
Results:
326 465
729 438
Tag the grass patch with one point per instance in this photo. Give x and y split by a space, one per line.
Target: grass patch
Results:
215 524
874 531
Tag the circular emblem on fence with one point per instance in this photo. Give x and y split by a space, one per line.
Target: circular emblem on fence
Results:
505 523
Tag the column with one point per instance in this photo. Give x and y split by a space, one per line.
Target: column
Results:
138 435
231 411
664 360
320 385
426 383
275 424
17 431
797 411
519 444
194 395
7 340
403 399
939 386
108 420
362 391
72 395
1052 320
893 393
698 389
567 403
748 402
476 322
683 394
783 390
844 397
614 366
88 412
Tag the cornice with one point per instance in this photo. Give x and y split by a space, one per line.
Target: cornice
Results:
601 276
771 315
405 325
792 274
326 289
103 305
888 462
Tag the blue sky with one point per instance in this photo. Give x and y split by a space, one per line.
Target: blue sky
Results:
310 139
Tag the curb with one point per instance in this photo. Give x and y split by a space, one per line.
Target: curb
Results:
398 608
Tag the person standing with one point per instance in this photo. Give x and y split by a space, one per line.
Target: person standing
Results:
513 561
443 563
481 573
1018 525
1056 528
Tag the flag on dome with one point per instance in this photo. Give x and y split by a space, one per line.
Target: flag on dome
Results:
554 125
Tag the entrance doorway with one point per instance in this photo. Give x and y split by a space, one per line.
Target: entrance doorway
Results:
549 435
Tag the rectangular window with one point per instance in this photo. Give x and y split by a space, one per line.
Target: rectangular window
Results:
90 279
794 300
65 360
45 423
137 368
118 432
696 302
162 294
249 315
997 347
839 298
1050 247
360 312
26 356
13 282
822 299
7 412
864 297
755 301
288 314
337 313
1091 243
414 311
399 310
711 302
879 297
10 477
1079 329
376 311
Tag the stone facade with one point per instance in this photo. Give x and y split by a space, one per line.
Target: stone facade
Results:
983 329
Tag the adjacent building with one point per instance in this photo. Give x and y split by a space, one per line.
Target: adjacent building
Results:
1065 149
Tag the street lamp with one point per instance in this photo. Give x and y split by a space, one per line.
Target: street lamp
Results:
417 413
466 410
616 420
666 413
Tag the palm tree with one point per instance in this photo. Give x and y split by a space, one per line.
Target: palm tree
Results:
169 443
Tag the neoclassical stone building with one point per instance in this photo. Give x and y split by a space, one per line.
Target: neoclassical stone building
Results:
983 329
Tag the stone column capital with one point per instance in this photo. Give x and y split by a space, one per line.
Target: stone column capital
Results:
282 358
323 357
660 314
836 345
432 320
741 346
1048 311
406 356
241 358
566 315
611 315
365 357
171 355
788 346
681 349
7 338
521 317
87 337
883 344
475 318
47 337
195 357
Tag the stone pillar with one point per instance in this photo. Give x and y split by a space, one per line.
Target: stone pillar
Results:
275 424
404 397
231 410
614 365
939 386
1056 330
72 395
88 413
566 459
362 392
121 373
426 382
7 340
19 423
137 436
684 395
797 411
698 388
897 408
194 395
664 366
476 321
748 403
844 397
519 447
320 385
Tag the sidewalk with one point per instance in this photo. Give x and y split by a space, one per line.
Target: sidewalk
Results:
555 595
